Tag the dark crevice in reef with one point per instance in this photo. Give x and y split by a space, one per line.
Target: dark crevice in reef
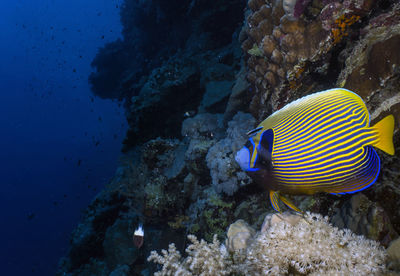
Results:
88 245
165 119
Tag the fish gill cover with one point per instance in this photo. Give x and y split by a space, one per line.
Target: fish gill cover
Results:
188 113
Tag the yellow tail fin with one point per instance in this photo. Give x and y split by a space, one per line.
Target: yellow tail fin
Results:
385 129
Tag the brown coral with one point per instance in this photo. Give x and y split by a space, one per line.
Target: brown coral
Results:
294 47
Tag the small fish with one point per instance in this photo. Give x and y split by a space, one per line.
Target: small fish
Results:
319 143
138 236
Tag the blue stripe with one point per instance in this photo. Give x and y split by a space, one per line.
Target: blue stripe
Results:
369 173
333 164
338 141
365 171
292 147
300 132
302 160
300 110
306 109
300 118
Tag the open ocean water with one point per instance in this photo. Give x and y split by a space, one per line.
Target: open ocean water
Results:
59 144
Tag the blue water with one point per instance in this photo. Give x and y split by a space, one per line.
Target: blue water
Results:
59 145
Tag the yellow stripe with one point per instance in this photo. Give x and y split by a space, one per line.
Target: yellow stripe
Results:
335 143
316 129
312 143
301 117
309 112
340 96
290 110
314 179
307 102
316 166
305 109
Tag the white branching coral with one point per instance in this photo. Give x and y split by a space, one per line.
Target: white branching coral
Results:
170 261
310 247
205 259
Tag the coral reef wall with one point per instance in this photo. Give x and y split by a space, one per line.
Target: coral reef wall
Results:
290 52
152 32
293 48
174 56
192 90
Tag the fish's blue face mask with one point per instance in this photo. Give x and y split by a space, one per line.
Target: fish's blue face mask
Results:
243 158
262 150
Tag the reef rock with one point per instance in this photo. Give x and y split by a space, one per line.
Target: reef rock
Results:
239 235
290 47
118 245
273 219
373 67
365 217
394 255
159 107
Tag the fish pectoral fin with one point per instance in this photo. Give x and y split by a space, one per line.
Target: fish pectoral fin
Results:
289 204
274 198
385 129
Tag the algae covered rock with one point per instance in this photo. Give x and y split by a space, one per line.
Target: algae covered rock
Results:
394 255
215 95
373 67
158 109
122 270
365 217
118 245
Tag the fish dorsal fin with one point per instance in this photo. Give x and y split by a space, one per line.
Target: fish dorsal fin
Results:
254 131
309 101
385 129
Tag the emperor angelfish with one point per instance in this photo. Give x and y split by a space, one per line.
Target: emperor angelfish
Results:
319 143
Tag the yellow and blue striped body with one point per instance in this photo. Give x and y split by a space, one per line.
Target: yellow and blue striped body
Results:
319 143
